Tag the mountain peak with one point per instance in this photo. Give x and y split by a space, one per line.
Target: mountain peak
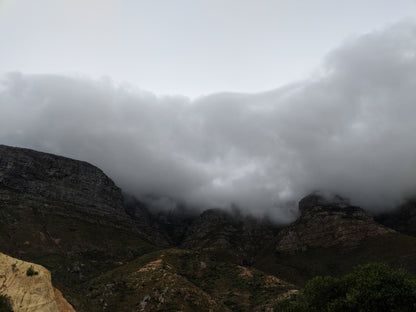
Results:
323 202
327 222
59 178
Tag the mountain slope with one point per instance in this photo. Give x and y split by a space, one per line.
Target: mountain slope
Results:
59 178
110 252
326 223
181 280
330 238
66 215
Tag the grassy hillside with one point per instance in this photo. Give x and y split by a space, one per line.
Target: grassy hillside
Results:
181 280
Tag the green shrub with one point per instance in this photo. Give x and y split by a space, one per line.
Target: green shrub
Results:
31 271
371 287
5 304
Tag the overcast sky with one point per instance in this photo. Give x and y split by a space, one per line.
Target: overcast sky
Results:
187 47
88 79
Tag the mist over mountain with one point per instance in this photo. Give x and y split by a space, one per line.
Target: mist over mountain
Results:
348 129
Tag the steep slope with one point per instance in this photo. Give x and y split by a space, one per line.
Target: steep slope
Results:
30 293
66 215
58 178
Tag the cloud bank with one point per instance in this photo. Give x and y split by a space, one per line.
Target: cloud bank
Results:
348 129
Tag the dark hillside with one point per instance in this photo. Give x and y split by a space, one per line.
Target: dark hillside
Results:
109 252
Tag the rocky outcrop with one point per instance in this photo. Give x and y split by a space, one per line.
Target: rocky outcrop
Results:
327 223
30 293
58 178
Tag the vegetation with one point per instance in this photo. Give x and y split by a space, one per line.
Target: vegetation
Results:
371 287
186 279
31 271
5 304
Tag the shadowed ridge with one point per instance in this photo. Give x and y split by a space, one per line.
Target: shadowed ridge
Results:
58 177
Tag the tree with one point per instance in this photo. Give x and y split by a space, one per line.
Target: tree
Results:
370 287
5 304
31 271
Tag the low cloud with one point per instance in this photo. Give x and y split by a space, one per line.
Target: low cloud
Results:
348 129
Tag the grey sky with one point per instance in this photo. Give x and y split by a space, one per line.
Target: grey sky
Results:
338 113
189 47
349 129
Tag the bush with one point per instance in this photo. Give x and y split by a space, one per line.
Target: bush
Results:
5 304
31 271
371 287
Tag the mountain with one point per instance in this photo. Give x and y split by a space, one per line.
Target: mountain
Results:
59 178
66 215
108 251
326 223
183 280
330 238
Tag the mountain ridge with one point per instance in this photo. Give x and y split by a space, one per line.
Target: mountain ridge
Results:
58 177
87 242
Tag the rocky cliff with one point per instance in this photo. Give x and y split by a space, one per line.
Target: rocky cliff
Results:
326 223
30 293
59 178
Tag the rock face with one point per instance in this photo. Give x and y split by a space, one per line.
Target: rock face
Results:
30 293
327 223
58 178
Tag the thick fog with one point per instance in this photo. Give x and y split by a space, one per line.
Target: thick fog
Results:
350 129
